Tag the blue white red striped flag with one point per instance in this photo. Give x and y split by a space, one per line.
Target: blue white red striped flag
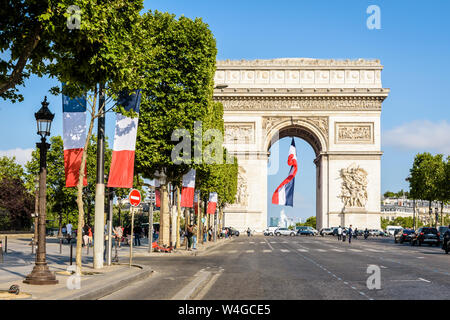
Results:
284 194
74 137
122 163
212 204
187 192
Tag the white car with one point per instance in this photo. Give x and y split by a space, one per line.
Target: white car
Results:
270 231
284 232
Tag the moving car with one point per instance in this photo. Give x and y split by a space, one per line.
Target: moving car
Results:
307 228
377 233
284 232
446 241
391 230
442 230
426 235
403 235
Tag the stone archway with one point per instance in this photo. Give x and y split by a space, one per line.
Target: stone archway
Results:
334 105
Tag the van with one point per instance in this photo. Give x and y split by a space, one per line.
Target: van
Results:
270 231
391 229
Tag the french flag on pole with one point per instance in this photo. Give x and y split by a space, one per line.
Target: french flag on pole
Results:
196 202
74 138
122 163
188 190
155 183
284 194
212 204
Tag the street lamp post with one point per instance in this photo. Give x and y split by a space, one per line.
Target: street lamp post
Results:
41 274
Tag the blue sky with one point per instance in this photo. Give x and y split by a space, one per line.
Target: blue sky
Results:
413 44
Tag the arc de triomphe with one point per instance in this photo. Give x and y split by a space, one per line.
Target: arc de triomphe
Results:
334 105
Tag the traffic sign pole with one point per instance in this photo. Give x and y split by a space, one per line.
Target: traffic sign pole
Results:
135 199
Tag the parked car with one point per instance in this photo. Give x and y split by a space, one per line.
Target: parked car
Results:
442 230
403 235
233 231
426 235
284 232
270 231
305 232
307 228
377 233
446 241
326 232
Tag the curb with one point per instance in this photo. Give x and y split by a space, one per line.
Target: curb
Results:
113 287
199 253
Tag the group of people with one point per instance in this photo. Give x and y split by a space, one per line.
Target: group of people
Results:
342 233
191 235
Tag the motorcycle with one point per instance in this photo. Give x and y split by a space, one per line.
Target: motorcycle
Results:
446 242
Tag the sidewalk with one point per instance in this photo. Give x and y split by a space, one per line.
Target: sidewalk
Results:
18 262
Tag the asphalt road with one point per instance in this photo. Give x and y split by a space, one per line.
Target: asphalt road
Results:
297 268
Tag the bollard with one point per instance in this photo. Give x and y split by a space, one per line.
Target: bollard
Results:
60 245
1 252
32 245
6 244
71 250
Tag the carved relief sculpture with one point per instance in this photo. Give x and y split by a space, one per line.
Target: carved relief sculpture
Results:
354 132
354 187
241 199
240 132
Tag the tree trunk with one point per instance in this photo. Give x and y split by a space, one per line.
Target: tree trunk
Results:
80 189
164 227
199 220
178 216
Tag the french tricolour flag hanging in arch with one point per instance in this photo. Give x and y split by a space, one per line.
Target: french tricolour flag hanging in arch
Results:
284 194
187 192
196 194
212 204
122 163
74 137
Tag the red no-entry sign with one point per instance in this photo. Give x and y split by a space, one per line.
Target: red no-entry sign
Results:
134 197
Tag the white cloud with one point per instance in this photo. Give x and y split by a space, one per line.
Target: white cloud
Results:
420 135
22 155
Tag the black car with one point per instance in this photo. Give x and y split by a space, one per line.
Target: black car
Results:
446 241
403 235
233 232
426 235
305 232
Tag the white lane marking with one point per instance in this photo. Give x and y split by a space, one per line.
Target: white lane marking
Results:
232 251
356 250
284 250
268 244
199 278
261 242
338 250
273 242
250 251
251 242
302 250
373 250
321 250
420 257
266 250
422 279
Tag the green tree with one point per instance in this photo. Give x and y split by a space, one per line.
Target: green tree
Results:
10 168
426 173
179 76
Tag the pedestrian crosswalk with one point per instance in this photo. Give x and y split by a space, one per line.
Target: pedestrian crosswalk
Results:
303 249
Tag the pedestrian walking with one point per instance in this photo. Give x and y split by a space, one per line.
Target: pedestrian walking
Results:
69 232
137 235
189 236
194 237
350 230
90 236
344 234
205 234
85 235
118 232
339 233
355 234
210 233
